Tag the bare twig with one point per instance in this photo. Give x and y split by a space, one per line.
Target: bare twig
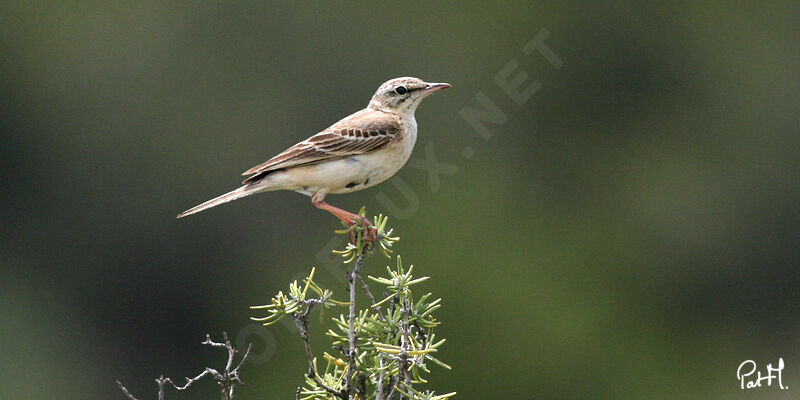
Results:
127 393
191 381
227 380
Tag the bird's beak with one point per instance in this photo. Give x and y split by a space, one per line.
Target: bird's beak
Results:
435 87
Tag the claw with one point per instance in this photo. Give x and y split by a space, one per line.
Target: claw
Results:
370 232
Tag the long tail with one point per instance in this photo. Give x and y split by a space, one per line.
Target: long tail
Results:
243 191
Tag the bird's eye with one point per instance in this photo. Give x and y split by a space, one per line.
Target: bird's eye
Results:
401 90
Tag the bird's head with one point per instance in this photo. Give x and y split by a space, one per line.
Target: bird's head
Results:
403 95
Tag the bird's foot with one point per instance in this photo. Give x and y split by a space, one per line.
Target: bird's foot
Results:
370 232
352 221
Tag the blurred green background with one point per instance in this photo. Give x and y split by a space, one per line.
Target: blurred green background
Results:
629 232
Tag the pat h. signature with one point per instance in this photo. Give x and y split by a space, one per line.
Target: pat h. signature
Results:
747 379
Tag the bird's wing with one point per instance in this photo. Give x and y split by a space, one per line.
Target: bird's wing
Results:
360 133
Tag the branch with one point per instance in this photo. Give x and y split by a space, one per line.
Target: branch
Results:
301 321
406 344
227 380
379 390
351 351
371 299
191 381
130 396
392 392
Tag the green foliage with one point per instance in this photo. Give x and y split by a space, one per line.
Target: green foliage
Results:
297 301
357 246
404 333
386 348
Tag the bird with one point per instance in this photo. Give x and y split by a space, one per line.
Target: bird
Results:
355 153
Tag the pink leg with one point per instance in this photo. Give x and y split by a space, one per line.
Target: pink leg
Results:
348 218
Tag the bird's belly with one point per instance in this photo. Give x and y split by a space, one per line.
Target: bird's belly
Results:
348 174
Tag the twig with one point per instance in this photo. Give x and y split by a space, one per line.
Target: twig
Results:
190 381
392 392
301 321
351 351
371 298
381 377
406 345
127 393
227 380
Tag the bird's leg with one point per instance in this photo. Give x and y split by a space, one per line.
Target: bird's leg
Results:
350 219
346 216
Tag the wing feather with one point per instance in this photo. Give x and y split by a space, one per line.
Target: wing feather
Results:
360 133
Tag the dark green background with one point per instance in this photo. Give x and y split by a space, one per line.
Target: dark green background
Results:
630 232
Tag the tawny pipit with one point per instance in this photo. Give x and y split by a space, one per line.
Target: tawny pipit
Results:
360 151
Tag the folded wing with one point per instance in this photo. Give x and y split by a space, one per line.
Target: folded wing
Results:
360 133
